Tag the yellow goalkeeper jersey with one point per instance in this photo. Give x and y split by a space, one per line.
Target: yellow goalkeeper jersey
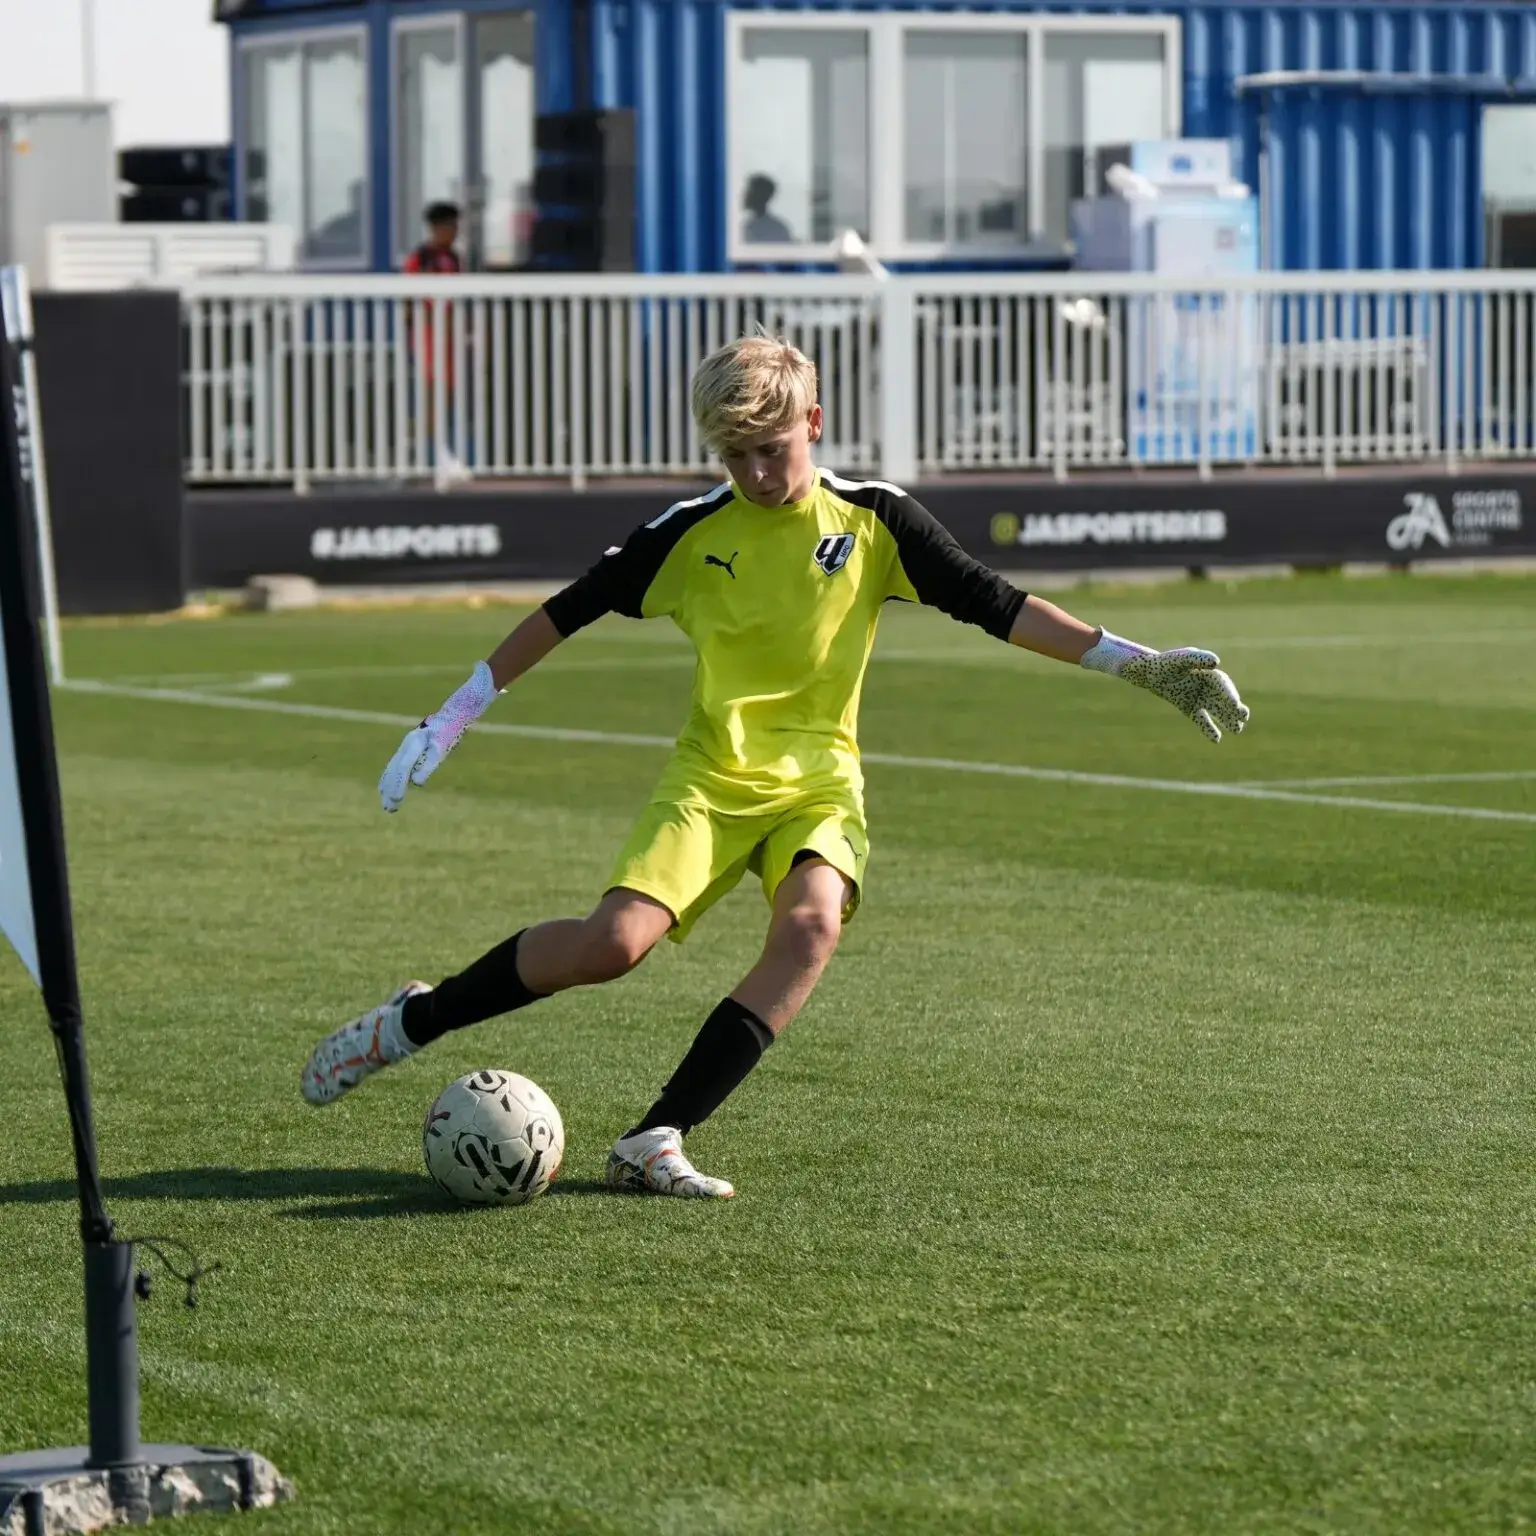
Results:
781 605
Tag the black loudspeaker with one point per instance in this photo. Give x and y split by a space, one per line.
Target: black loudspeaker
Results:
176 183
575 184
175 205
590 244
607 136
189 165
584 191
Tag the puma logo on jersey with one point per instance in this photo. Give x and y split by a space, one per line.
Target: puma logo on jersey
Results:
832 552
725 565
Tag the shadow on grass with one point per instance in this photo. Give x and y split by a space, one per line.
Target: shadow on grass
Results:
332 1193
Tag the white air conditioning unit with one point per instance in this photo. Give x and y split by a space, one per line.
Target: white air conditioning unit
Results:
99 257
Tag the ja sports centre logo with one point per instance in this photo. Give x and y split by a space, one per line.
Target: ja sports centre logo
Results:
1065 529
1476 521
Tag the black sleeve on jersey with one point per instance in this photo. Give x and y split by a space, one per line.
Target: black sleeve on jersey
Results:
942 574
619 581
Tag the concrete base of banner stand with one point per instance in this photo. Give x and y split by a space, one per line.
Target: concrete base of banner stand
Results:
280 594
49 1493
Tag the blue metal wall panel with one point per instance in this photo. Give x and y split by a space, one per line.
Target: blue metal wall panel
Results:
1351 180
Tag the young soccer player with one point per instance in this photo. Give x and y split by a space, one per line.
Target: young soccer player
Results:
777 577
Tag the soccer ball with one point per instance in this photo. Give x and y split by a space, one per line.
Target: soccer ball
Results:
493 1138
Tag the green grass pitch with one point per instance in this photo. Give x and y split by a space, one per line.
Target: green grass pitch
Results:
1149 1160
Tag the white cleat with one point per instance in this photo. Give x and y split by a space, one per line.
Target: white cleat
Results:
653 1162
359 1049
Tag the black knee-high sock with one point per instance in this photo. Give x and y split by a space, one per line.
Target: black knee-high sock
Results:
729 1045
489 986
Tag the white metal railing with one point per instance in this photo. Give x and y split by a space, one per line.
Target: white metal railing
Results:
297 379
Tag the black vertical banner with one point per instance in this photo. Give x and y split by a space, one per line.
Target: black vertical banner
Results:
16 920
110 397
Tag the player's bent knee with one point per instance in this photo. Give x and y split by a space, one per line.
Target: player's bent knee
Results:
610 954
619 934
613 948
812 931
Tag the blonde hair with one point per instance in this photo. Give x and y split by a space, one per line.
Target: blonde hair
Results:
750 386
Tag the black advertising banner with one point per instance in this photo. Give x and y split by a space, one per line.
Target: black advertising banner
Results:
109 376
1258 519
367 538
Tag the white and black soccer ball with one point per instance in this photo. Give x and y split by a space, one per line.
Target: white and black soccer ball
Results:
493 1138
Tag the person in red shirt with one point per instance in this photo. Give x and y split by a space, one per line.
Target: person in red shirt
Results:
437 254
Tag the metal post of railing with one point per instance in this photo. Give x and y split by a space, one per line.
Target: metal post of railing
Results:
896 384
298 317
1333 355
1060 387
196 311
1455 345
1205 312
437 410
576 382
1472 422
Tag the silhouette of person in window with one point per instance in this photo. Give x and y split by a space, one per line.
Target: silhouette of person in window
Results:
762 227
341 236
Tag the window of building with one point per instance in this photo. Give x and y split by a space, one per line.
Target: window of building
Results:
1103 92
503 48
1509 186
306 141
983 128
800 126
464 115
429 118
966 172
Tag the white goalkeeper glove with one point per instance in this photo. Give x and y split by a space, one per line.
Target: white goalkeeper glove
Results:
421 753
1191 680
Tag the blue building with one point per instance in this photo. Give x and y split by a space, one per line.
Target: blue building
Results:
1391 135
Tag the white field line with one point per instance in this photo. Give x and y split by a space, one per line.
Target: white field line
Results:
1244 643
1508 776
286 678
356 716
939 764
1441 638
935 653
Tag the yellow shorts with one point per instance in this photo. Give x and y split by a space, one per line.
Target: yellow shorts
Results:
687 854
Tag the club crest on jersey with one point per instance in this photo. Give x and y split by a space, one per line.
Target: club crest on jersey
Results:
832 552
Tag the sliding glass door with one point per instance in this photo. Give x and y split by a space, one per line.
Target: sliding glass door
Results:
464 110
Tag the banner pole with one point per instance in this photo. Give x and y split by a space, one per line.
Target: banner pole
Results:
17 299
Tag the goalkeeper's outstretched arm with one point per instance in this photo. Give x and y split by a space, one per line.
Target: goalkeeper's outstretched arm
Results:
422 752
1047 630
940 573
615 584
1190 679
523 649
